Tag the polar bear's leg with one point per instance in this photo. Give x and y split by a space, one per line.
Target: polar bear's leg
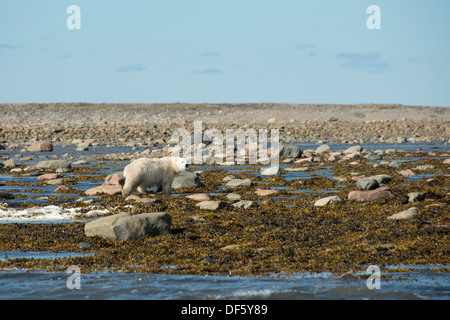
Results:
129 187
142 188
167 185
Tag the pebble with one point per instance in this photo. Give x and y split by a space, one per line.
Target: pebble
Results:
199 197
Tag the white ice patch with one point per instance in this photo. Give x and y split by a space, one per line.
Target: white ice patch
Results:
48 213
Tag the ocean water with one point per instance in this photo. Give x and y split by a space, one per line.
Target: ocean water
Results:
421 283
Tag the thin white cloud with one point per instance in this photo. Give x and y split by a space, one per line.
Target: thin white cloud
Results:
303 46
209 54
208 71
367 62
132 68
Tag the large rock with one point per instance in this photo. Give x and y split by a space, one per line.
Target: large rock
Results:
124 226
54 164
377 194
41 147
289 151
186 179
113 185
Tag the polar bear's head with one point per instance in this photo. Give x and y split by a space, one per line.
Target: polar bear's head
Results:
179 164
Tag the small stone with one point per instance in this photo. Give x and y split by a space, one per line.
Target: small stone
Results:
323 148
234 196
9 164
229 178
243 204
373 156
49 176
54 182
411 212
270 171
62 188
41 147
239 183
377 194
367 184
395 163
289 151
199 197
327 200
230 247
416 196
265 192
354 149
207 260
186 179
85 245
406 173
211 205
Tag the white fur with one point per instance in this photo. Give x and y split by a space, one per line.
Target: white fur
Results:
145 172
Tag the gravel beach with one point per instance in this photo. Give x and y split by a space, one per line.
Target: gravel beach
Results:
143 124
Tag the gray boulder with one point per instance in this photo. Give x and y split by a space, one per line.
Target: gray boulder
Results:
186 179
289 151
125 226
54 164
367 184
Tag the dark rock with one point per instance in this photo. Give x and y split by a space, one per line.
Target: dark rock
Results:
289 151
367 184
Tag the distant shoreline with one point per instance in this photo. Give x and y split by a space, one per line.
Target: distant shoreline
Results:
79 113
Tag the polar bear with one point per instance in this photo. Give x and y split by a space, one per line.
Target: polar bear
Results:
145 172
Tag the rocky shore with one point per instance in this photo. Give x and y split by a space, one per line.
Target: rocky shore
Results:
326 209
147 125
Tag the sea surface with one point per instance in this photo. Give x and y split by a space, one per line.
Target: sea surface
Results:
419 282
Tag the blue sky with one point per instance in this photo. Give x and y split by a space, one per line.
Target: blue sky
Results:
230 51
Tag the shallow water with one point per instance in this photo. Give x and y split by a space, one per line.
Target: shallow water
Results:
423 283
